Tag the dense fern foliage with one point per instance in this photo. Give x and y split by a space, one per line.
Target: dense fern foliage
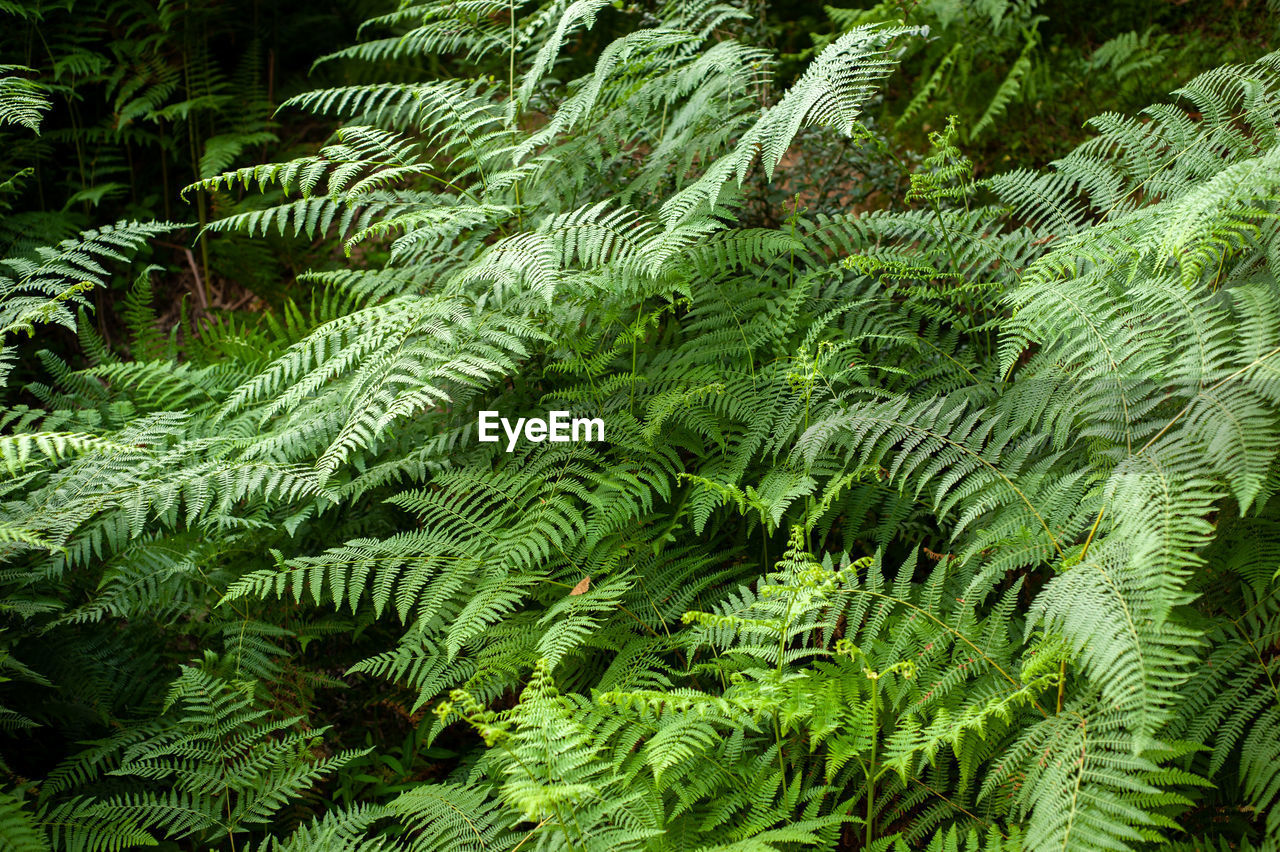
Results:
943 521
127 101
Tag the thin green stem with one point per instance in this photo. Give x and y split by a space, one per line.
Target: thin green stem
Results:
511 63
871 763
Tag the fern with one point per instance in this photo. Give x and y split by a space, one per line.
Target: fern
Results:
943 523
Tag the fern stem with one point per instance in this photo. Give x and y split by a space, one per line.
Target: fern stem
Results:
164 171
946 234
944 626
871 763
231 837
782 655
982 461
532 831
1062 665
635 340
1246 368
1262 661
958 806
201 284
1094 529
782 764
511 65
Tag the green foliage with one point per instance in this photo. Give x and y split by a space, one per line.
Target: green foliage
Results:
22 101
1023 75
116 104
947 524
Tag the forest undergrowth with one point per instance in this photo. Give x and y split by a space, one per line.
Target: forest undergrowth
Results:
936 501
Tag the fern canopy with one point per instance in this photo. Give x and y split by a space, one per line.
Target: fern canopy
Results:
945 523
